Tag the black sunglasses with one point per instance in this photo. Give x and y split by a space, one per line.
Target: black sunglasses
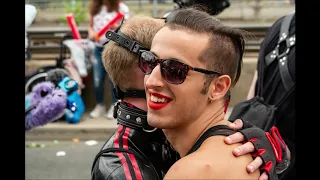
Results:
173 71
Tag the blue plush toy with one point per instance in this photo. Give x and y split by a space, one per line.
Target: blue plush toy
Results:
53 98
44 104
75 105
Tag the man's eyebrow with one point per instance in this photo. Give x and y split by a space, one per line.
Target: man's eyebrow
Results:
154 53
168 58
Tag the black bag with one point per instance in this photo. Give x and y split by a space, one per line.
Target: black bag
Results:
256 110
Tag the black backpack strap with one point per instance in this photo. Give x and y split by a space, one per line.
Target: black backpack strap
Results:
282 56
284 97
269 58
284 32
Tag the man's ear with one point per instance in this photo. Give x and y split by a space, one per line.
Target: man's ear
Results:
220 87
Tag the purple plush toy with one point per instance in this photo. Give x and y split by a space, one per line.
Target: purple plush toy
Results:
44 104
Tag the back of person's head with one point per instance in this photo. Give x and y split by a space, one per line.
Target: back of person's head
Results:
226 46
121 64
215 6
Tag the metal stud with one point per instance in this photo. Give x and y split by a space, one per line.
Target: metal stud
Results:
138 119
284 35
282 63
119 112
128 116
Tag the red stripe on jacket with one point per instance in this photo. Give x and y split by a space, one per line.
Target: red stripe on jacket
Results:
131 156
120 155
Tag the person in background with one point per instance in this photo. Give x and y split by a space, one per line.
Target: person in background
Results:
124 9
270 77
30 15
101 12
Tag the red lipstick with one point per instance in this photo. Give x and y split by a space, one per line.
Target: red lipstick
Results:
159 95
157 106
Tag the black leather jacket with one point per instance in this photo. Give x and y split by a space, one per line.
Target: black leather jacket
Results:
132 152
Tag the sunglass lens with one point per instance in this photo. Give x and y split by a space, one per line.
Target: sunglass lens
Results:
147 62
173 71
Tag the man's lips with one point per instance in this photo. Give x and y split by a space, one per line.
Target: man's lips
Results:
159 105
159 95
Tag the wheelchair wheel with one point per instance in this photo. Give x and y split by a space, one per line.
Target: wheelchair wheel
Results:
33 80
38 76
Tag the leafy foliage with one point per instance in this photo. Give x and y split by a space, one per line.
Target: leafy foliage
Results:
77 9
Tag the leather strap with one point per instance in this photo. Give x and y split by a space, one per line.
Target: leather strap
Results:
132 117
125 41
133 93
284 32
282 56
269 58
283 63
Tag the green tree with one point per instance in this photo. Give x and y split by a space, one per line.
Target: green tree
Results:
77 9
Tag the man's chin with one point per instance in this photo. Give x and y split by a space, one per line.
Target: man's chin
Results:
161 124
155 121
155 124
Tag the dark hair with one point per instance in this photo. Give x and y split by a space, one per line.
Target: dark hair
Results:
215 7
226 46
95 6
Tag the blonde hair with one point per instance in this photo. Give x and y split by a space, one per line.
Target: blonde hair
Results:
119 62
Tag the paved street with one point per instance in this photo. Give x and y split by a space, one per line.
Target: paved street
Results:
43 163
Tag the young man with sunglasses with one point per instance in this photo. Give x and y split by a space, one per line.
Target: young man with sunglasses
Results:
189 71
136 150
120 57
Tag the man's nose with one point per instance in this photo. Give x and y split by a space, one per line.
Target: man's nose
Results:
154 79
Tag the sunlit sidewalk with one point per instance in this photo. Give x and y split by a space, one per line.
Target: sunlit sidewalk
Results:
86 129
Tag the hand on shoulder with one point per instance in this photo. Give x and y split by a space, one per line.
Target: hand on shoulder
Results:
213 160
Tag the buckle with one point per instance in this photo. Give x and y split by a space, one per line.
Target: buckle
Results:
115 109
118 93
284 53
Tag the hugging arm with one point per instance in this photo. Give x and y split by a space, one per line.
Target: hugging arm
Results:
269 149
